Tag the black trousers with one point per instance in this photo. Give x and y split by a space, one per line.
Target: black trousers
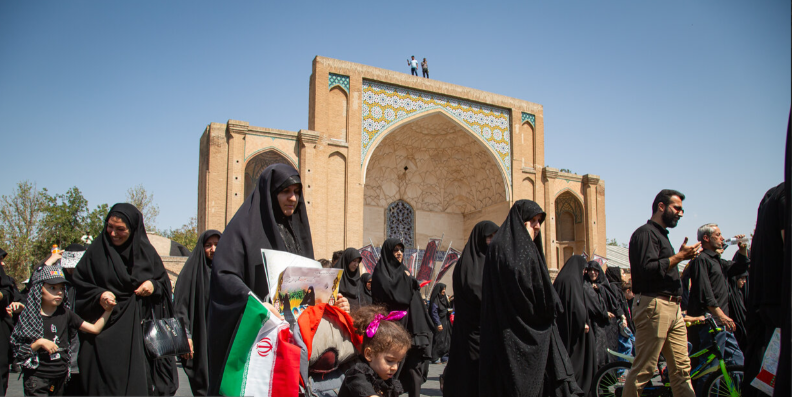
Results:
426 73
35 386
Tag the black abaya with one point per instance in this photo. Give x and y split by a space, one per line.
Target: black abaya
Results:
766 301
580 345
364 294
599 302
462 371
237 268
10 294
349 286
191 306
441 342
393 287
521 350
114 362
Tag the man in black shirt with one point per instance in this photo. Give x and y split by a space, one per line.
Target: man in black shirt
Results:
710 292
659 325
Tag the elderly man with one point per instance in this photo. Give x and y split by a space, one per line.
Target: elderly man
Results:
709 291
659 326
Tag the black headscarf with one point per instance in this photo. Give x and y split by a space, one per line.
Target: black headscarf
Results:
521 350
114 362
397 290
440 300
191 307
309 299
237 268
350 281
364 295
572 323
463 358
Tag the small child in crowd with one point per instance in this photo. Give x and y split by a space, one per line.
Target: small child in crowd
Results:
385 343
41 338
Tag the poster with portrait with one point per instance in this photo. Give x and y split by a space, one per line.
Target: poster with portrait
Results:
300 287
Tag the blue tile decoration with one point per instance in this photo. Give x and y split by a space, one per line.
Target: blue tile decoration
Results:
529 118
385 105
338 80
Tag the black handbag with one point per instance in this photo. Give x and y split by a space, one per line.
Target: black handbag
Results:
164 337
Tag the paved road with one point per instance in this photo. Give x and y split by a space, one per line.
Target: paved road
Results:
430 388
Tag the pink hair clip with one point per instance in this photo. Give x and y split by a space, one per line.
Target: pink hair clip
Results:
372 328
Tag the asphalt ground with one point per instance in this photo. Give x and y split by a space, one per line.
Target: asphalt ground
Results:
430 388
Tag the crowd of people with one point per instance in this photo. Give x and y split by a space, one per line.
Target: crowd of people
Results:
515 332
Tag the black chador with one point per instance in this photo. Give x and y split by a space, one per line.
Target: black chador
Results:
114 362
521 350
237 268
349 286
191 306
572 322
462 370
364 295
392 287
599 302
441 342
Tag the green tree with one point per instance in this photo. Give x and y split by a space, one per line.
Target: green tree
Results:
20 218
66 219
140 198
612 242
187 235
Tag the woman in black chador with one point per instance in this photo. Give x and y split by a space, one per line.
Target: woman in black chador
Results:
620 309
309 299
573 323
122 266
364 295
462 372
393 287
191 305
350 281
598 301
439 311
521 350
273 216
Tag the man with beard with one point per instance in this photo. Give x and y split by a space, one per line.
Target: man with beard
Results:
710 292
659 325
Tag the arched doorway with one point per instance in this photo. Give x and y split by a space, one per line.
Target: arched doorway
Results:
448 177
258 163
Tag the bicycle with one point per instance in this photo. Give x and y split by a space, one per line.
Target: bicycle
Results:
609 380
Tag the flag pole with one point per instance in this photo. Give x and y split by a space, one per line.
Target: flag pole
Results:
431 288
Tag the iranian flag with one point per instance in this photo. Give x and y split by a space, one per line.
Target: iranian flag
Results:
263 360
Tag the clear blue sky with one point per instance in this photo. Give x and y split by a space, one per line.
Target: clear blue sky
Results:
691 95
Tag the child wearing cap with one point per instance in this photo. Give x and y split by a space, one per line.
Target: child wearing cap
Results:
41 338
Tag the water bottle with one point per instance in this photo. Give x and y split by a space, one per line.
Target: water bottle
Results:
55 249
735 240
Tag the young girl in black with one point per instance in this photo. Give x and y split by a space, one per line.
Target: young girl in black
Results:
385 343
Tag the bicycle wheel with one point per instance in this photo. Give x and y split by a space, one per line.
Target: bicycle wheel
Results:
609 380
719 386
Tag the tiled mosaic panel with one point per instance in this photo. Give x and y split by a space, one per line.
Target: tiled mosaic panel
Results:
529 118
385 105
338 80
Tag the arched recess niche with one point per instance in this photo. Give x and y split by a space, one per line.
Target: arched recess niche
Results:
337 116
442 170
258 163
570 232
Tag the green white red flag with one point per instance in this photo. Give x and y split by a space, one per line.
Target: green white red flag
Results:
263 360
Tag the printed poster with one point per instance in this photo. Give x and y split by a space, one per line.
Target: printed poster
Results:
300 287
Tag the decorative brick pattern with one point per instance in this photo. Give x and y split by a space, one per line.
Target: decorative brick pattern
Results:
385 105
338 80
